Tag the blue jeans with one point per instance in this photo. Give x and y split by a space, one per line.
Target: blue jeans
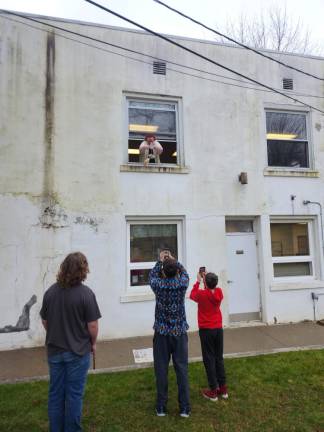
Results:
68 374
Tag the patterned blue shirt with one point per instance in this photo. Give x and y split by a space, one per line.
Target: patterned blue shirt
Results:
170 314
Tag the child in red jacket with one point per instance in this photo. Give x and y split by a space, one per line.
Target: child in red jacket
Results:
210 325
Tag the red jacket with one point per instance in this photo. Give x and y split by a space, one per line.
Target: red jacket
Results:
209 313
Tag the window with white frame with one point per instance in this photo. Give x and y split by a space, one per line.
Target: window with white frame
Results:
146 239
287 139
149 117
292 249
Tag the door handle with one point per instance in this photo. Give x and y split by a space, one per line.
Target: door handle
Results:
230 281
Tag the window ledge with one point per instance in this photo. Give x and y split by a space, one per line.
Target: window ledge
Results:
137 297
176 169
281 172
287 286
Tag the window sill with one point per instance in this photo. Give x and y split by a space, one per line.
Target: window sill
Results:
287 286
137 297
141 297
288 172
170 169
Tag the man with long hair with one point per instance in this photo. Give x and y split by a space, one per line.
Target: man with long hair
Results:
169 281
70 316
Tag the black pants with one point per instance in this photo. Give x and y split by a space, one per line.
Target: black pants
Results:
163 348
212 351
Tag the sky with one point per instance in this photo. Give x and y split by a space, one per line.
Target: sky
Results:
214 13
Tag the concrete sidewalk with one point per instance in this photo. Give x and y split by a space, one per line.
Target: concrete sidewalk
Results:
115 355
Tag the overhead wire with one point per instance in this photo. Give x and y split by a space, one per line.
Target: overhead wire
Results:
201 55
3 13
237 42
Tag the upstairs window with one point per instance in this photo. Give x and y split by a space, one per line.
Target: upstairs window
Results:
158 118
287 139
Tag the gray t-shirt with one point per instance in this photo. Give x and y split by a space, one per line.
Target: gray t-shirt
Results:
67 312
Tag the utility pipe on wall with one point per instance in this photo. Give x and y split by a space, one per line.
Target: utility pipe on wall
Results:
314 295
306 202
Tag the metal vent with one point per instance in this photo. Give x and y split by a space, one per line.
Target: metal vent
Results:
288 84
159 68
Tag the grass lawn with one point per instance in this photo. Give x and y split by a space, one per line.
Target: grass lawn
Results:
279 392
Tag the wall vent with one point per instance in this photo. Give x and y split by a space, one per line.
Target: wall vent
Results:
288 84
159 68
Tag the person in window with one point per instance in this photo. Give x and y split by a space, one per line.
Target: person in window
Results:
210 325
169 281
70 316
150 150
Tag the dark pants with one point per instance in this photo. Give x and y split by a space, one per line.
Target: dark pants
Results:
163 348
212 351
68 374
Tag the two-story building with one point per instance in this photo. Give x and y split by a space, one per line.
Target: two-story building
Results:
239 187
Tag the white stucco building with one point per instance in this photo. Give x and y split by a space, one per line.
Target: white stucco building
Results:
73 112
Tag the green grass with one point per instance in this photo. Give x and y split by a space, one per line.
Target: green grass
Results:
280 392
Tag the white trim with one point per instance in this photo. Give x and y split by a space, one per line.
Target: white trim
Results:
143 292
286 280
288 286
162 168
136 297
285 107
161 99
290 172
308 140
240 233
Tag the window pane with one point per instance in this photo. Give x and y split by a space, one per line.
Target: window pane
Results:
152 105
156 118
146 241
292 269
159 122
169 155
238 226
288 153
139 277
286 126
289 239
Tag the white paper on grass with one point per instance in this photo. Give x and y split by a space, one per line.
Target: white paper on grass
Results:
144 355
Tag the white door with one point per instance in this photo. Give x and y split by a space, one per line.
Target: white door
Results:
243 281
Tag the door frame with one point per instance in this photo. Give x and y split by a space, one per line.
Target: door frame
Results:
256 230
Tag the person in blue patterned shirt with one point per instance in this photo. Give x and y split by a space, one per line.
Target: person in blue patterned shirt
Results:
169 281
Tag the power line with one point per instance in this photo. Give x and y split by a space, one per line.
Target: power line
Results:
200 55
3 13
237 42
111 44
143 61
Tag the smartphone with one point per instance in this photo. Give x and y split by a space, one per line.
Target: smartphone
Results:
202 270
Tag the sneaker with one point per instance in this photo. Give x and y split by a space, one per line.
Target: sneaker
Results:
185 413
161 411
222 392
210 394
